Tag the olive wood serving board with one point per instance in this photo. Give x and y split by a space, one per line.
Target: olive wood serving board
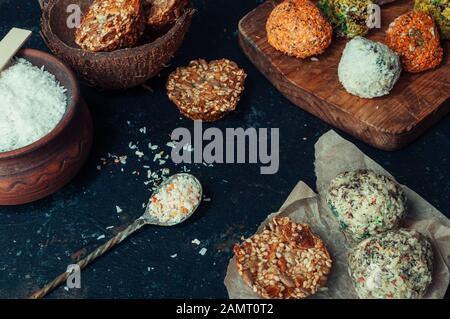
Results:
389 123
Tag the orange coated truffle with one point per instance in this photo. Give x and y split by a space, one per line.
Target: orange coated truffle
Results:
298 28
415 38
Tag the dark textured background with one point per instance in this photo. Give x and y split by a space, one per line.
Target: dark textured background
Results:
37 241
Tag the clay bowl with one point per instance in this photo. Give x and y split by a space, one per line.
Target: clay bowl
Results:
38 170
120 69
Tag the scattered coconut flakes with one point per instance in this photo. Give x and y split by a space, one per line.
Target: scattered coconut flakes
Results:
139 153
203 251
123 159
143 130
118 209
196 242
171 144
206 199
109 227
101 237
132 146
188 147
314 59
152 147
174 256
99 168
162 162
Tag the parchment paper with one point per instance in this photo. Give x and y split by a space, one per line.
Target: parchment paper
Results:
333 156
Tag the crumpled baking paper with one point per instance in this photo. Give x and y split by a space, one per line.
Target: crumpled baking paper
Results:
333 156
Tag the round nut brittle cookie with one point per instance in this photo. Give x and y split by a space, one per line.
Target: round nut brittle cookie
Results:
111 25
285 261
206 91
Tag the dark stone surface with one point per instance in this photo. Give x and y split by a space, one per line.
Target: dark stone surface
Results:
37 241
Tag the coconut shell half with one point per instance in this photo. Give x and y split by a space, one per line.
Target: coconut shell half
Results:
119 69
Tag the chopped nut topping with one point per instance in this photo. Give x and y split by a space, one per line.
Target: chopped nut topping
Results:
206 91
285 261
164 12
111 25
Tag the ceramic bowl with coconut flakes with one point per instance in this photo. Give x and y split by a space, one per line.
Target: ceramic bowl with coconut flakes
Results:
39 169
120 69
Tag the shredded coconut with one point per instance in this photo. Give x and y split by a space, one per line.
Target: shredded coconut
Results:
32 103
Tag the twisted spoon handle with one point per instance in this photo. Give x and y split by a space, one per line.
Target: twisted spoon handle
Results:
138 223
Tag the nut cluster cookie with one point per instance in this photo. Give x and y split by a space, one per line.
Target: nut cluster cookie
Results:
111 25
298 28
164 12
285 261
206 91
415 37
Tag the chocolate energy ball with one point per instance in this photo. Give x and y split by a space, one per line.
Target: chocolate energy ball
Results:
368 69
298 28
366 203
394 265
415 37
440 10
348 17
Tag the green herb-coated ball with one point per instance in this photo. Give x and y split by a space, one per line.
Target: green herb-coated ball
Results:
348 17
440 10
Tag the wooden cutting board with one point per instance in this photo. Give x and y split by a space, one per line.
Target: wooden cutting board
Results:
389 123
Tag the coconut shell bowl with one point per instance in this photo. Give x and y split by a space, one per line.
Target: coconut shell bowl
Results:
120 69
40 169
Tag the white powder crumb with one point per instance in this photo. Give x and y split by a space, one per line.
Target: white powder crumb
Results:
139 154
109 227
314 59
174 256
206 199
132 146
171 144
196 242
123 159
188 147
143 130
99 168
152 147
203 251
101 237
162 162
66 288
118 209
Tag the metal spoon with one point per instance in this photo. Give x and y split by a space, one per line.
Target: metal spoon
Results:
145 219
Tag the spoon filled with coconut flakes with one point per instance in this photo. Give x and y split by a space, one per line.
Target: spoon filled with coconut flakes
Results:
172 203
